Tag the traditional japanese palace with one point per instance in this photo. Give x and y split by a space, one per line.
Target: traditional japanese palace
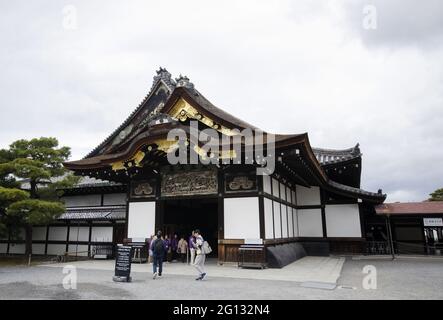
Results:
313 196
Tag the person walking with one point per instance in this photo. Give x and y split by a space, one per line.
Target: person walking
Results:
151 244
191 241
158 253
174 247
168 249
182 249
200 258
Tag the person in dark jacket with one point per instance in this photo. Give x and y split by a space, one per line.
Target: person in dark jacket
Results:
174 246
158 252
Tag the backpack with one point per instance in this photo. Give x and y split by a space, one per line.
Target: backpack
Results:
158 247
206 248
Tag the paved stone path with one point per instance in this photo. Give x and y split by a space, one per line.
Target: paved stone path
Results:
316 269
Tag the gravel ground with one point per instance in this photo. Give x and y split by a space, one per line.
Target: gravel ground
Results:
399 279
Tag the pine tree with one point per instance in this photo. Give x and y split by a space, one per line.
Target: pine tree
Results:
31 171
437 195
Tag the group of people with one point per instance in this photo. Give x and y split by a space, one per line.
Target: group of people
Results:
161 249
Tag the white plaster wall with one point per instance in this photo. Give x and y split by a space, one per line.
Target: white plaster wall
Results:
288 194
241 218
269 223
101 234
343 220
17 248
284 221
277 220
82 250
55 249
114 199
141 219
58 233
275 188
294 199
81 232
39 233
282 191
294 213
291 224
3 247
308 196
82 200
267 184
309 223
38 248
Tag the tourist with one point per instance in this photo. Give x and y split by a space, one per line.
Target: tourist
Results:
199 263
150 244
174 246
191 247
158 252
168 249
182 249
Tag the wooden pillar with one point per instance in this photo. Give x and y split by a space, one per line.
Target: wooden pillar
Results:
46 240
68 226
323 212
261 207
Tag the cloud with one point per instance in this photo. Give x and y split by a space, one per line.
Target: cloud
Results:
287 67
399 22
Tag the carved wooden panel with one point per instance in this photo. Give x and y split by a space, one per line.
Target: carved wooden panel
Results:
241 182
189 183
143 189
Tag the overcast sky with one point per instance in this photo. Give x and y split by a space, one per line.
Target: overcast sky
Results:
75 70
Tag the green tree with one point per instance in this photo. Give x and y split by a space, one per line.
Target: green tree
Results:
437 195
31 171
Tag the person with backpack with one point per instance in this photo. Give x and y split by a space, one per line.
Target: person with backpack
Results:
200 251
191 241
158 253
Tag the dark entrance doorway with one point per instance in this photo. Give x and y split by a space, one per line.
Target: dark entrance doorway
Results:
184 215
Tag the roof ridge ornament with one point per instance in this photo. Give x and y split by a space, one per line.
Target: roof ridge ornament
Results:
183 81
164 76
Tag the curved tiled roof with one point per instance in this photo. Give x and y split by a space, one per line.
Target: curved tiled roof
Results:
331 156
95 213
162 77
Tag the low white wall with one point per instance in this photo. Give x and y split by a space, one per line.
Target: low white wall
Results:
308 196
3 247
39 233
58 233
141 219
82 250
241 218
17 248
55 249
309 223
79 233
101 234
38 248
343 220
277 220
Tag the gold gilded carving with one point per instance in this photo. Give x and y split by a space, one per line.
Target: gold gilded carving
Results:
182 111
241 183
136 160
189 183
167 145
